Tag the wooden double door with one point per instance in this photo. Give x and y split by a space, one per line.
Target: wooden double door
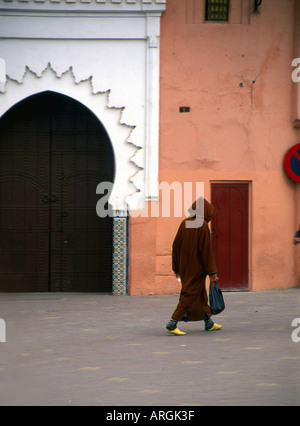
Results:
53 154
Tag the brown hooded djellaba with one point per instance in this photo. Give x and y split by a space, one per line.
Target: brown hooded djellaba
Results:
192 261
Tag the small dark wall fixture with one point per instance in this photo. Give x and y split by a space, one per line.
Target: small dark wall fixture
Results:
257 3
184 109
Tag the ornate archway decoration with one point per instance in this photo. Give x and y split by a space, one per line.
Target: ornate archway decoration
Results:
111 118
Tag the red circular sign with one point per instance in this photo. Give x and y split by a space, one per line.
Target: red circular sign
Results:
292 163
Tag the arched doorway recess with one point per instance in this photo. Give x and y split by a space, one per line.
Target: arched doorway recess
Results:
53 153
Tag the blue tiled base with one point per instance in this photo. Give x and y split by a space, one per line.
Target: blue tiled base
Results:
120 255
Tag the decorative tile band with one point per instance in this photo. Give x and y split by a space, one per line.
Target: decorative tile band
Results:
90 1
120 255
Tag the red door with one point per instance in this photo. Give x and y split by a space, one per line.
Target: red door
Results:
230 234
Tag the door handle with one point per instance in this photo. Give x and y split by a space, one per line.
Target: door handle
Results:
47 199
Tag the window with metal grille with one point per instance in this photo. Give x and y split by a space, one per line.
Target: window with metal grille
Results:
216 10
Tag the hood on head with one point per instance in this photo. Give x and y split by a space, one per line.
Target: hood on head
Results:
197 208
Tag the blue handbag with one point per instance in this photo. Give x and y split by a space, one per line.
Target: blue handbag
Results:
216 300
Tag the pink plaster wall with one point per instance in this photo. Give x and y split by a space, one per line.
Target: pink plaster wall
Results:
236 79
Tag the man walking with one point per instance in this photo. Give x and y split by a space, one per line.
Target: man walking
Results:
192 261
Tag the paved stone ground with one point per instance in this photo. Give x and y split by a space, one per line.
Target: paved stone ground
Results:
100 350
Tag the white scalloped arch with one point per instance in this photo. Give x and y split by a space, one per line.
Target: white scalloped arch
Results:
125 194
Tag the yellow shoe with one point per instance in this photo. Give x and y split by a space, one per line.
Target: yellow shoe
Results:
215 327
177 332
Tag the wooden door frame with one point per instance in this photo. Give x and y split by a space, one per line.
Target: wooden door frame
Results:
250 220
119 239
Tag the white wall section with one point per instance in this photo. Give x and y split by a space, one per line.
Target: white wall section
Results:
104 54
